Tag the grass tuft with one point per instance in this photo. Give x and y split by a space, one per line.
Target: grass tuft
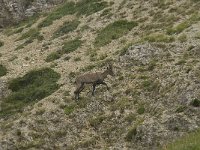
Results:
158 37
1 43
71 46
66 9
184 25
114 31
188 142
30 88
53 56
83 7
3 70
66 28
68 47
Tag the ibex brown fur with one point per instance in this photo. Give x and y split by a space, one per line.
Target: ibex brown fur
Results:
92 78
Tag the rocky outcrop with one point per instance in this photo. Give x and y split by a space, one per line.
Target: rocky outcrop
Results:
13 11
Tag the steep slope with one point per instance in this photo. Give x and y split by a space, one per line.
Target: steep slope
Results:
154 95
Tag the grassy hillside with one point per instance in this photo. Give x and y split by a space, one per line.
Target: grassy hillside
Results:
153 101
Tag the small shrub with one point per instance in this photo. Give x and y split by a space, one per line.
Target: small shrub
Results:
130 118
3 70
30 88
159 38
106 12
65 9
184 25
1 43
180 109
40 112
31 34
77 59
28 22
69 109
124 50
88 7
83 7
141 110
21 46
66 28
19 30
67 58
182 38
187 142
195 103
122 104
131 133
113 31
53 56
88 68
71 46
94 122
180 62
197 35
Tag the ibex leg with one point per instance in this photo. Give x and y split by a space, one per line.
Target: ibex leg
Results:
94 86
79 88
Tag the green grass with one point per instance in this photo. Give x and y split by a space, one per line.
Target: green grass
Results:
66 9
114 31
71 46
195 102
3 70
83 7
158 37
1 43
184 25
32 87
69 109
188 142
31 34
88 7
94 122
67 48
53 56
66 28
182 38
141 110
133 130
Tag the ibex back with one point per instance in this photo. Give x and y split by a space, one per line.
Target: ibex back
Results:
92 78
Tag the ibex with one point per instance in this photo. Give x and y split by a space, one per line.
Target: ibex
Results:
92 78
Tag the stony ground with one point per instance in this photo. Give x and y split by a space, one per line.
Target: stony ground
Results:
150 99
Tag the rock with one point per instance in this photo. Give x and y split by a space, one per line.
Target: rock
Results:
14 11
141 54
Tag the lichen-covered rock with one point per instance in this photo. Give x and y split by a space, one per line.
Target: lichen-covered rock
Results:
141 54
13 11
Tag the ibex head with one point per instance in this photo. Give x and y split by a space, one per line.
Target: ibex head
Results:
110 69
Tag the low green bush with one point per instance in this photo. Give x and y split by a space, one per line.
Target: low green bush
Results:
83 7
66 28
53 56
1 43
30 88
3 70
71 46
114 31
188 142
